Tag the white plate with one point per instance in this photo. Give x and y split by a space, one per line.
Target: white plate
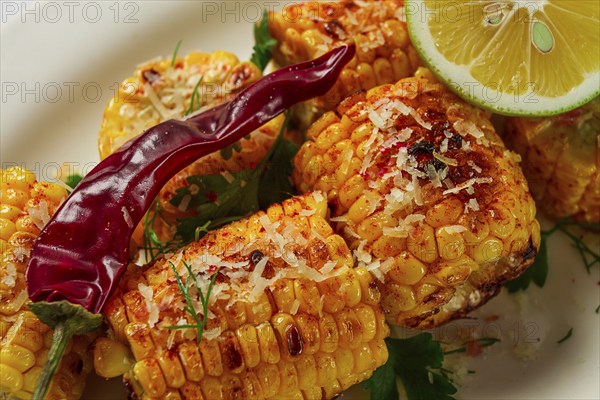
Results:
60 64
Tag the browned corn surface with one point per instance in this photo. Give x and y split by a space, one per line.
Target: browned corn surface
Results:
25 205
383 51
289 317
159 91
426 195
561 160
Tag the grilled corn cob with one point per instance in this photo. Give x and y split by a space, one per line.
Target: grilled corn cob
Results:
162 89
561 160
25 205
288 315
426 195
383 53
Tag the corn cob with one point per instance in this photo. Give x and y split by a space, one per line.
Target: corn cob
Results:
288 316
561 160
426 195
25 205
384 53
162 89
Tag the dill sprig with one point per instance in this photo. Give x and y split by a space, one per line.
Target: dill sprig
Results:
199 323
175 53
195 98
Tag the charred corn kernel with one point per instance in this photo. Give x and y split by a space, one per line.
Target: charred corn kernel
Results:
159 90
318 29
424 209
561 160
292 269
25 206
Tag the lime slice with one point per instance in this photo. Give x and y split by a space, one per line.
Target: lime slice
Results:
528 58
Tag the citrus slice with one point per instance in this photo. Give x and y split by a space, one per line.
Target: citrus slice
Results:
530 58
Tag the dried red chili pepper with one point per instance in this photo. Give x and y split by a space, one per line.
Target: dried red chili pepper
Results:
82 252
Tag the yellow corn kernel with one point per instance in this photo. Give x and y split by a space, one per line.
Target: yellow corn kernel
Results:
111 359
269 349
329 333
232 386
444 213
338 251
251 388
351 190
398 298
501 221
327 119
288 378
370 293
11 379
307 378
139 339
363 358
211 357
388 246
309 330
454 272
477 230
364 206
191 391
212 388
248 340
349 287
172 369
49 192
7 229
259 311
269 378
489 250
451 245
344 362
422 244
326 368
332 135
371 228
148 373
308 295
368 322
191 360
407 269
283 293
349 329
17 357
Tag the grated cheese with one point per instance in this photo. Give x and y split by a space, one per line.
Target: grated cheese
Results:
151 306
467 184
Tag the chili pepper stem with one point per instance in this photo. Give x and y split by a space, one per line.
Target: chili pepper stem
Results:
67 320
61 338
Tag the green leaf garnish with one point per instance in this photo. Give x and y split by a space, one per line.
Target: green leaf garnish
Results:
220 199
153 246
199 324
264 43
73 180
538 272
566 337
417 362
175 53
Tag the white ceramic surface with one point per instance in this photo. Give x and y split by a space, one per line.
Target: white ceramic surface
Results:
60 62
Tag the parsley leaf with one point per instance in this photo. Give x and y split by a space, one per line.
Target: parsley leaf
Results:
264 43
73 180
417 362
219 199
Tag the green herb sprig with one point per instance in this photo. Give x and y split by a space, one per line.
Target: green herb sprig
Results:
199 323
482 342
566 337
417 363
538 272
175 53
195 100
264 43
219 200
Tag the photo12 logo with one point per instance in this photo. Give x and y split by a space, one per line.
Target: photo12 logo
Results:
54 12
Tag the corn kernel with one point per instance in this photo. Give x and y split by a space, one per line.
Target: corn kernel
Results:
147 372
11 380
489 250
407 269
422 244
450 245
